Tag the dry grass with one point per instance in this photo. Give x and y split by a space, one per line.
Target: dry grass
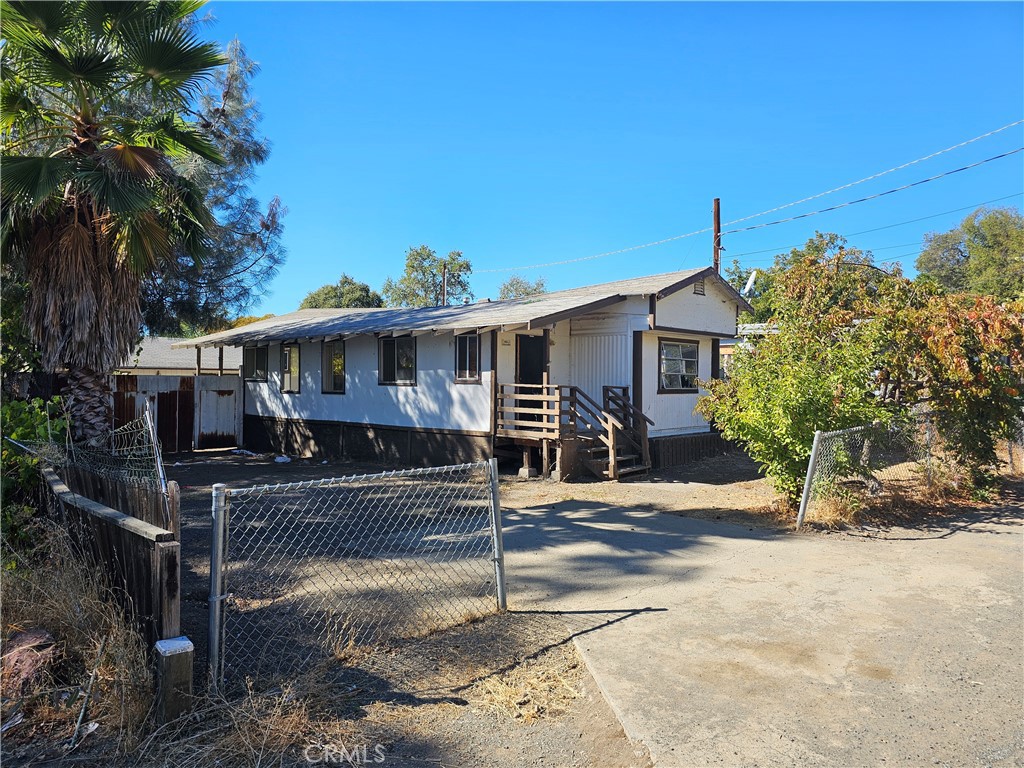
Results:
522 668
55 589
540 688
835 511
257 729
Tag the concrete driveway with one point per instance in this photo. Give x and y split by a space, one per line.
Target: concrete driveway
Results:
717 644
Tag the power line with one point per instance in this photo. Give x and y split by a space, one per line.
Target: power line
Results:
781 248
777 208
876 175
875 196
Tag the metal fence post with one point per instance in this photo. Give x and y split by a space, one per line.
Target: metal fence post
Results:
809 479
218 537
499 551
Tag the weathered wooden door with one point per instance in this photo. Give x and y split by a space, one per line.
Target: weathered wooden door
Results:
218 406
172 403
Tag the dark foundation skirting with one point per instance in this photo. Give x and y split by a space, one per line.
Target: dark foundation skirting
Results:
675 450
405 446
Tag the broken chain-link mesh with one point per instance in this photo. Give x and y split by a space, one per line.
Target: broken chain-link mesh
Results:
129 455
315 568
876 464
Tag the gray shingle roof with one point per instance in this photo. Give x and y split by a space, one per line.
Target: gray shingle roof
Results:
528 312
157 353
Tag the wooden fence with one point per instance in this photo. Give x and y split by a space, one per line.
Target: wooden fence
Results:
141 560
143 502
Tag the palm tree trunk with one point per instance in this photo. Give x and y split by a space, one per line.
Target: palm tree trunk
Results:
89 402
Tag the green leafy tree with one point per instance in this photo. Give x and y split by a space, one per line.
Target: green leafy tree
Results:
763 297
238 322
811 372
517 287
984 255
92 202
346 293
851 344
421 283
245 250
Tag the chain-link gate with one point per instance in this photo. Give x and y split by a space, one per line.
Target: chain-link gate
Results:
302 571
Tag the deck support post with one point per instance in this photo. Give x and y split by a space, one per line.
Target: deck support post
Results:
545 453
527 471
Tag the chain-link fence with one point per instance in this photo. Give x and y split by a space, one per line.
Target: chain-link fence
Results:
304 571
129 454
872 465
1011 453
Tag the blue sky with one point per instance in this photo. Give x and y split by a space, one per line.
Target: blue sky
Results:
531 133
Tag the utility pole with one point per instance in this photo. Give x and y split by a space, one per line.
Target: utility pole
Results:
444 284
717 261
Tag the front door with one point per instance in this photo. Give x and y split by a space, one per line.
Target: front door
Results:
530 367
530 359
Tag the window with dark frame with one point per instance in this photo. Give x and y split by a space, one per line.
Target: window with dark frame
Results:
334 367
677 366
290 368
467 359
254 363
397 361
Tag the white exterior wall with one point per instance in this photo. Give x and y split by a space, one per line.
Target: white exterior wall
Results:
715 312
672 414
435 402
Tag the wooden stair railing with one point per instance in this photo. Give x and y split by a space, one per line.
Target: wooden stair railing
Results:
533 414
618 403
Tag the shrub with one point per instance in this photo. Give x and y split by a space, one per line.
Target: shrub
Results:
30 421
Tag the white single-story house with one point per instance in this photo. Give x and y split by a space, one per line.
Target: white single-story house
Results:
602 377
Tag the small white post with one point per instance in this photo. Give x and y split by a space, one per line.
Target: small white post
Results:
498 548
809 479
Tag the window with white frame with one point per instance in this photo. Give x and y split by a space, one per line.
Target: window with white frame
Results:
254 363
397 361
467 359
677 365
289 367
334 367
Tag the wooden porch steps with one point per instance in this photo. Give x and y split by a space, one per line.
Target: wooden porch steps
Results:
545 414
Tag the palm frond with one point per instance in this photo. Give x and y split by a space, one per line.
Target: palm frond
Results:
106 18
140 162
27 182
68 67
141 242
119 193
176 137
170 58
34 20
18 108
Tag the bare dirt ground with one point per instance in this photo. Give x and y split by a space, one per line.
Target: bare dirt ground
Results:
728 488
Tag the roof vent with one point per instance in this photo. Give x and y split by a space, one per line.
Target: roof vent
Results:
483 301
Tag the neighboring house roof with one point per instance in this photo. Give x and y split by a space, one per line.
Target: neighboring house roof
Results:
158 353
528 312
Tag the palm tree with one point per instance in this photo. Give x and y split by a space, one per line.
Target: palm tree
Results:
93 103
